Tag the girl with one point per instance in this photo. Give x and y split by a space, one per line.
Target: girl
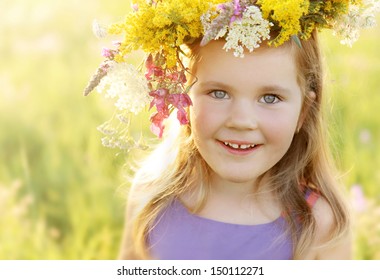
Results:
249 174
250 177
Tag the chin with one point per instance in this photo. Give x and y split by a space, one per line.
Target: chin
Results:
239 178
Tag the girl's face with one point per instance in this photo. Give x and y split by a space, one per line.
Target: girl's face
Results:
245 110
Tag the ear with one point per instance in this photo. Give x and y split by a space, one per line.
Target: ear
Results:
308 101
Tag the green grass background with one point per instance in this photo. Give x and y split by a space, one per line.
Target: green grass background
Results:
62 193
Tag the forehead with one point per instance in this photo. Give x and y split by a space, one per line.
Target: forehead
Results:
263 65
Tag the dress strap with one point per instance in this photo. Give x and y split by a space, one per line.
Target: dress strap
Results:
311 197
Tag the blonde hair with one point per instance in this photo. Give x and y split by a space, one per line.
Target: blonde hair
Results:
307 162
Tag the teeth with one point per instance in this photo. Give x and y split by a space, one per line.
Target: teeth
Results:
236 146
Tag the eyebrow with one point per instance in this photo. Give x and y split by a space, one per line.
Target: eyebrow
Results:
214 84
265 88
275 88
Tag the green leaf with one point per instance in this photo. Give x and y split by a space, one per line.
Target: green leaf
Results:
297 41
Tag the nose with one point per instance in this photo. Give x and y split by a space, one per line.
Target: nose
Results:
242 115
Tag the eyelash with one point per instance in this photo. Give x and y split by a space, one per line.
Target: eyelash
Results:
213 94
276 98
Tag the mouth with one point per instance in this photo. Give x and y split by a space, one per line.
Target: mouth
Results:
236 146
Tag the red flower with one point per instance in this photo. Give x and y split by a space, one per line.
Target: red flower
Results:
178 76
164 84
157 126
182 116
179 100
152 70
159 97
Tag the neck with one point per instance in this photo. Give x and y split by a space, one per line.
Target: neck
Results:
240 202
239 190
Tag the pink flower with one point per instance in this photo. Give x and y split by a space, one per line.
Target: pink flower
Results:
179 100
164 86
182 116
162 99
135 7
108 53
178 76
152 70
238 11
159 99
221 6
157 126
149 61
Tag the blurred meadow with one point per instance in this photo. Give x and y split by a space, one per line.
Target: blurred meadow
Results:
62 193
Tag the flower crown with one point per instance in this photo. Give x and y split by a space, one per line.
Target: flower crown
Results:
160 28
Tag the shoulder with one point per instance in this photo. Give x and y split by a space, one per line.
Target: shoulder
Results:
325 244
324 216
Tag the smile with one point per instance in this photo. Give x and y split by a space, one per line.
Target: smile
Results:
239 146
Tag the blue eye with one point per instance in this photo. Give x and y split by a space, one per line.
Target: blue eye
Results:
269 99
219 94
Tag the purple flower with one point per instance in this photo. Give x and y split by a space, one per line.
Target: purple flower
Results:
238 11
135 7
359 201
108 53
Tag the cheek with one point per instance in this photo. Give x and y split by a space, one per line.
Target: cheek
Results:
203 117
196 116
199 120
279 128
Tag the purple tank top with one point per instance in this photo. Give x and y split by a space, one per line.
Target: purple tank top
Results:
180 235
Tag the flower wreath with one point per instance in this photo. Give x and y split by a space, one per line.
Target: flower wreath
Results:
161 27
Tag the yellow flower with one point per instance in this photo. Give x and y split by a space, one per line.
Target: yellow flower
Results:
286 14
163 26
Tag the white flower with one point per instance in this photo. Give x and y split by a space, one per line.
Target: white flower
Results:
360 17
248 32
124 82
98 29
